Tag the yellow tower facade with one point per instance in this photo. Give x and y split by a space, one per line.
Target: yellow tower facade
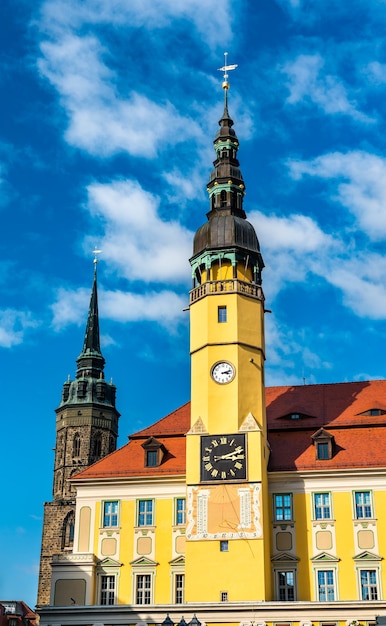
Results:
227 452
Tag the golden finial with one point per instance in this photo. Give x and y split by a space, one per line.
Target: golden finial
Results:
226 68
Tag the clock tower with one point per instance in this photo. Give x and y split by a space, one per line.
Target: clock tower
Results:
227 547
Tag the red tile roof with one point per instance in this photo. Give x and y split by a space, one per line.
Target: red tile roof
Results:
359 440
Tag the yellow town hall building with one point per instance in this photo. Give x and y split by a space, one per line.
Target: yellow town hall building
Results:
247 506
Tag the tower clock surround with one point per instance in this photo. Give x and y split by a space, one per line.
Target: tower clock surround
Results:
223 457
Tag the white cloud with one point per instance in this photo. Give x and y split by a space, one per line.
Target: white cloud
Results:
289 356
69 307
13 325
296 248
360 180
293 246
164 307
100 121
136 240
362 280
309 83
211 19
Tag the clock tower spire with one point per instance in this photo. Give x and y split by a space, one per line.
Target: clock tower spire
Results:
227 451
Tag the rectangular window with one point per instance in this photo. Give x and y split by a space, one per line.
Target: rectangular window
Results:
151 458
145 513
363 506
369 587
180 515
286 585
110 514
224 546
224 596
221 314
322 507
322 451
179 588
326 586
143 589
282 504
107 589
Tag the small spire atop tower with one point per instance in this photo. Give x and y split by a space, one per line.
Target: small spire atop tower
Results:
90 361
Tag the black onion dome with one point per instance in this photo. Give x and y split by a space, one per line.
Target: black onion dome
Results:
225 230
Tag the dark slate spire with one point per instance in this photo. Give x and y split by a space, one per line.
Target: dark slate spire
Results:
90 361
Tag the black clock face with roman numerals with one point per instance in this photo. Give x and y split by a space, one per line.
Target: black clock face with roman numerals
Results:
223 457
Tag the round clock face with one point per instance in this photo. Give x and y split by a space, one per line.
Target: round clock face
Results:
223 372
223 457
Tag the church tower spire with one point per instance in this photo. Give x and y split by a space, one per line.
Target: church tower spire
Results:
86 431
90 360
226 447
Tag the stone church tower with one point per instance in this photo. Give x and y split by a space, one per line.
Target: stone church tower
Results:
86 431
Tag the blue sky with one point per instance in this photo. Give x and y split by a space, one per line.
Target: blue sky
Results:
108 111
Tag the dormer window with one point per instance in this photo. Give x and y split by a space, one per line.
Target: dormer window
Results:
323 445
154 452
151 458
322 450
296 415
374 412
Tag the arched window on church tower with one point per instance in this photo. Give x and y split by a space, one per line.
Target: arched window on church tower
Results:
97 447
76 446
223 197
68 530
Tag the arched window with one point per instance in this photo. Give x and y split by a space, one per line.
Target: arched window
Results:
68 530
76 446
223 198
97 447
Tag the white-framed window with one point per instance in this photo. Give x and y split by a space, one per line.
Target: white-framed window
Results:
282 507
322 506
285 585
223 596
143 590
179 588
369 584
326 585
107 589
145 513
180 512
363 504
110 514
221 314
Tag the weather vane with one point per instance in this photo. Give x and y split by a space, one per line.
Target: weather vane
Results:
226 69
96 252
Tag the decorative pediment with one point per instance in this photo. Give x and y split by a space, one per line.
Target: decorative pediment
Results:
367 556
152 444
284 557
179 560
321 435
108 562
325 557
142 561
198 427
249 424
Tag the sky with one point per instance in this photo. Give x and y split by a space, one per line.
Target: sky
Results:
108 111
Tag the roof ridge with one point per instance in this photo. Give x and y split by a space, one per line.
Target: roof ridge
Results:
141 432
